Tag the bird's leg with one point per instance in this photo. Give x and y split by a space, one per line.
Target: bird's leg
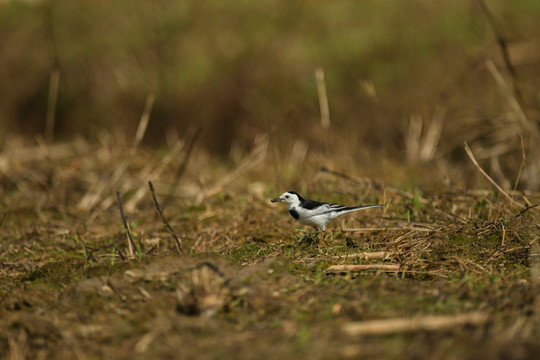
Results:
310 238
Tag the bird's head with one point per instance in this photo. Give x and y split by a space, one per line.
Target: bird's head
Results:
291 198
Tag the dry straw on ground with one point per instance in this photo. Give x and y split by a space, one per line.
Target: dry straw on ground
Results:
462 252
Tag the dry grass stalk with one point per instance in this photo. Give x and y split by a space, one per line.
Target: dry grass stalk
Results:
340 269
323 98
509 96
131 243
501 190
425 323
298 155
421 145
145 118
169 228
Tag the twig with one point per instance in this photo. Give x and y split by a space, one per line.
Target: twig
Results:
425 323
524 211
131 243
171 231
119 253
339 269
2 220
473 159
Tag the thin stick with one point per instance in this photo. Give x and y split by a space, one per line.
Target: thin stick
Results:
338 269
323 98
131 243
473 159
524 211
424 323
171 231
119 253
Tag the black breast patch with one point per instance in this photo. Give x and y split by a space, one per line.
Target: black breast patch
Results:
294 213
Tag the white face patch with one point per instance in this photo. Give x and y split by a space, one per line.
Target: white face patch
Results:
291 199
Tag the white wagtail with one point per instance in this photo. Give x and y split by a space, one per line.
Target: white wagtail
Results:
315 213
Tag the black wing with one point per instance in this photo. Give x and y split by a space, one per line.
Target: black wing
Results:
312 204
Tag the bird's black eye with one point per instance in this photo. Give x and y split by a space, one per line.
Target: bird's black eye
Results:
286 196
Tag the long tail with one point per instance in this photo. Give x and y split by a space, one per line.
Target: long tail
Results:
366 207
356 208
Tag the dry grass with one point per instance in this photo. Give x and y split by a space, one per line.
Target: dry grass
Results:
70 287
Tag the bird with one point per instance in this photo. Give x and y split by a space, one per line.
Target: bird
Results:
315 213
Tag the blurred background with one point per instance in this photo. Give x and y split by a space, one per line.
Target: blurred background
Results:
409 81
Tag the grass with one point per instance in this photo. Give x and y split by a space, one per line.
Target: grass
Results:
65 291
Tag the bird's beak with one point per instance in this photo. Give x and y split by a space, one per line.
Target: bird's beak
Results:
276 199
